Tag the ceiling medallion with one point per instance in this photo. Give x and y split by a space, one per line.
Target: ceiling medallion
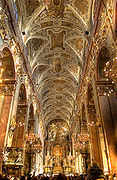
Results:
56 3
57 23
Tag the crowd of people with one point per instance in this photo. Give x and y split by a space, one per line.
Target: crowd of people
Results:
56 177
43 177
93 173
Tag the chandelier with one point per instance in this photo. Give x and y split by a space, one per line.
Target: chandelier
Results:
37 147
111 70
95 124
33 142
31 138
78 146
83 136
81 139
20 124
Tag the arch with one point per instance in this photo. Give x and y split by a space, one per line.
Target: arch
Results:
103 57
7 64
18 136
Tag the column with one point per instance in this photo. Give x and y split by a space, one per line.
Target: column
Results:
18 137
7 89
94 136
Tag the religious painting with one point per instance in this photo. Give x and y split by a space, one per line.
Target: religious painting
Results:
57 65
7 65
57 39
57 151
56 7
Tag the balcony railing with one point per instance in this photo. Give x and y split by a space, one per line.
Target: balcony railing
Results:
13 156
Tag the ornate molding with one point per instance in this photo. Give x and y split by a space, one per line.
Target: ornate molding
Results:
13 156
98 40
22 110
7 88
91 109
106 88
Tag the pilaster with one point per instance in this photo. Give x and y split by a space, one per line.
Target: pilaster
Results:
7 88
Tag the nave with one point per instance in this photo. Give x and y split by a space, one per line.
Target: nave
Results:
58 89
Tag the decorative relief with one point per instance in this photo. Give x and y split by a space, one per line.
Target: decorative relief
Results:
7 89
106 89
58 24
57 39
57 65
91 109
82 6
31 6
21 110
13 156
99 38
12 126
56 7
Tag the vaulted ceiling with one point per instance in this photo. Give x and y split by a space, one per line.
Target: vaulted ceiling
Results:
56 33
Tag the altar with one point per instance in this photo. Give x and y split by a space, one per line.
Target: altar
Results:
57 170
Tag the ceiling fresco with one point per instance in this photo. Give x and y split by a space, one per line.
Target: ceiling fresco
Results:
56 34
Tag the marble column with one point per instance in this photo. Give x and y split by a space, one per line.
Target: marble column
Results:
6 89
94 136
18 137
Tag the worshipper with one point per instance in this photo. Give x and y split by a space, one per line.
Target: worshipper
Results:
1 177
95 173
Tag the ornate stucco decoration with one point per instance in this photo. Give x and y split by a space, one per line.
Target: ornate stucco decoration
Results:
99 39
55 34
56 37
